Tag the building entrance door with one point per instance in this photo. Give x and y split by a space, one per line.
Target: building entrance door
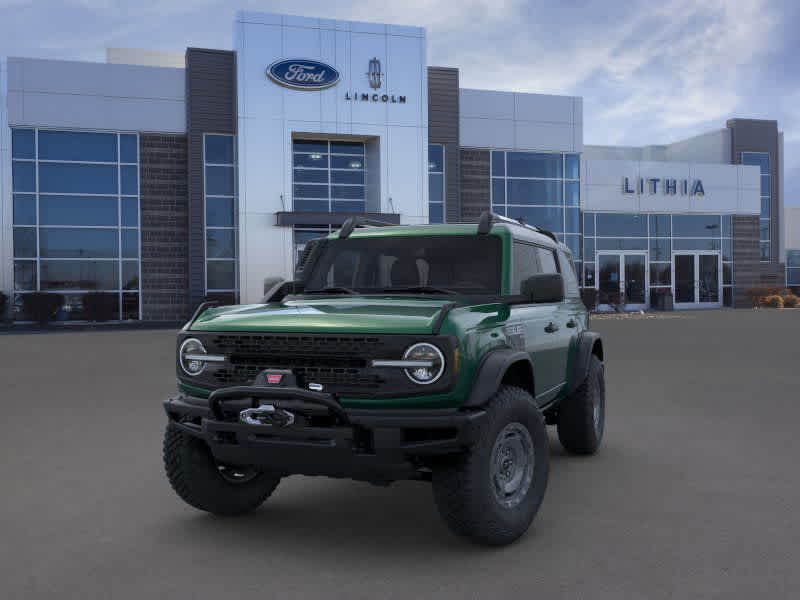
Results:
622 280
697 279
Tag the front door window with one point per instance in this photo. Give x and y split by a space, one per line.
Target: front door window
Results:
684 278
622 280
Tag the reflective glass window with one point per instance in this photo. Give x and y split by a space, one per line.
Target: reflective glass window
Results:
660 274
727 226
765 207
219 149
550 218
623 225
572 191
345 162
25 242
219 212
129 180
56 242
347 192
727 249
660 249
572 220
220 275
436 213
660 226
765 191
436 181
24 209
759 159
77 210
695 244
128 148
793 258
23 176
621 243
220 243
588 224
727 273
130 212
356 148
696 225
574 243
534 192
130 243
23 143
498 163
219 181
531 164
130 275
573 166
435 158
67 178
312 175
316 161
24 275
357 177
765 250
588 249
79 275
347 206
77 146
498 191
310 146
130 307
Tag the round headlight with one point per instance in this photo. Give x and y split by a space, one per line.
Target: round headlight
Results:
433 359
190 355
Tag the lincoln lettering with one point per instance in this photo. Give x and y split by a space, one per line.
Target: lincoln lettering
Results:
667 186
390 98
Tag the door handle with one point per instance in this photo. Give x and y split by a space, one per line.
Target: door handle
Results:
551 327
572 323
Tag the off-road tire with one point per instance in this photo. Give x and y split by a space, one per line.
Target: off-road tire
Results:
463 486
577 430
195 477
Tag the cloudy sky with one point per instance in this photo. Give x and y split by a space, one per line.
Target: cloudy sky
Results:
649 72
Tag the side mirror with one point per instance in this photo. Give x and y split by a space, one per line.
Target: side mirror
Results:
543 287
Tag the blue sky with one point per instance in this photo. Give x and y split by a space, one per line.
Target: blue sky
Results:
649 72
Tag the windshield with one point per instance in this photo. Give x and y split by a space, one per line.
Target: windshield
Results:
408 264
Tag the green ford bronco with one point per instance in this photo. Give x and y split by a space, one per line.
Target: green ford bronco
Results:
434 352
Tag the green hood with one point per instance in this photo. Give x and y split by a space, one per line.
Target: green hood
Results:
350 314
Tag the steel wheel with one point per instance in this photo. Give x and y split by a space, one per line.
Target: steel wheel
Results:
512 463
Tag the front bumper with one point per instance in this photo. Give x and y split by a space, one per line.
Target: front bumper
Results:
325 439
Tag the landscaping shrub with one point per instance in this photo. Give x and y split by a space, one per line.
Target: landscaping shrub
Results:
790 301
773 301
99 306
41 306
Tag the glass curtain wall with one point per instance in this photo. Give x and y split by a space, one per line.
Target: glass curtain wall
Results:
219 158
660 235
761 160
541 188
435 183
76 220
793 268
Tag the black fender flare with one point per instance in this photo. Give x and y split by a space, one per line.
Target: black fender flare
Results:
490 374
587 342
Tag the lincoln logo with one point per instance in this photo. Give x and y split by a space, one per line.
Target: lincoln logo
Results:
374 74
669 187
301 74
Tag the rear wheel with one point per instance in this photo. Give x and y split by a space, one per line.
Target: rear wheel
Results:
491 493
207 485
581 416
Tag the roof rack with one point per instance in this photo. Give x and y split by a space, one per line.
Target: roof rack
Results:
352 222
489 218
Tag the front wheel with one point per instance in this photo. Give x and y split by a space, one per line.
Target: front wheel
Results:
207 485
582 415
492 492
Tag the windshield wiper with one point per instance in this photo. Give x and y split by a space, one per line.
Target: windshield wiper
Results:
332 290
419 289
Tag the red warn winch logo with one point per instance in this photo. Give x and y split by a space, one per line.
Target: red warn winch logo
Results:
274 378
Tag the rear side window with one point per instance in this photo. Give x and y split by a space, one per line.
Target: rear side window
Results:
570 279
526 263
547 260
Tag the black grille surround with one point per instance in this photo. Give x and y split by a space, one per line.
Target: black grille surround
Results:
342 364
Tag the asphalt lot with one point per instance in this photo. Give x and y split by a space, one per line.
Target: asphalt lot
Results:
695 493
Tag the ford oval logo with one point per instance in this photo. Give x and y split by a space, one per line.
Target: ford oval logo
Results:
303 74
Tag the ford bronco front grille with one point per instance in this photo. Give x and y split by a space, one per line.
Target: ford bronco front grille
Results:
341 364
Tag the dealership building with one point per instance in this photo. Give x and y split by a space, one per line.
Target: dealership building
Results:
165 179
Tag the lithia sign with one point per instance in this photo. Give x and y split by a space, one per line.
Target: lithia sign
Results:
306 74
667 186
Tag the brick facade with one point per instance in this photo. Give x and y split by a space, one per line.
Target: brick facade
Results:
164 227
475 182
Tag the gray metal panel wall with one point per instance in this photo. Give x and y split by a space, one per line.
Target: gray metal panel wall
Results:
443 129
210 108
754 135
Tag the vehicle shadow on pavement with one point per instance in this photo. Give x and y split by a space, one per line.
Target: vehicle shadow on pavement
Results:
318 517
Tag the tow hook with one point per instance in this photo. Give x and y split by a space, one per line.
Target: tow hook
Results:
268 415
